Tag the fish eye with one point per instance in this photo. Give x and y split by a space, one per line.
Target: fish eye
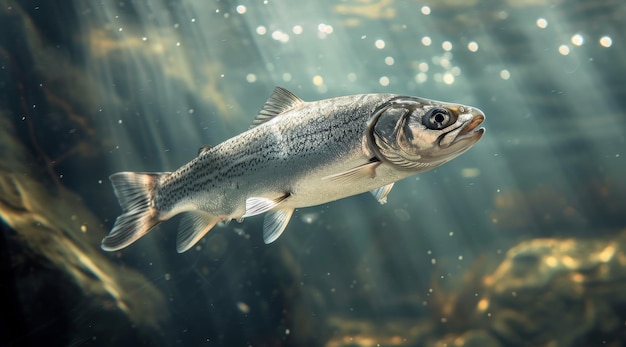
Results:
436 118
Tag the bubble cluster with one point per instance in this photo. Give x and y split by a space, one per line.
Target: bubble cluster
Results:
280 36
577 40
606 41
505 74
542 23
472 46
436 60
325 28
318 80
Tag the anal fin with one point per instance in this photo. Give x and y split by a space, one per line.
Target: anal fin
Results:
275 223
381 193
193 226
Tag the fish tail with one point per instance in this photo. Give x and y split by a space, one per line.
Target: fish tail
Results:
135 193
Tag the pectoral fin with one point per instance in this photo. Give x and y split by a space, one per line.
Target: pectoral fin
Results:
381 193
360 172
255 205
275 223
193 226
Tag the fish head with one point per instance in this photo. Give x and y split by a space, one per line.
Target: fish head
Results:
416 134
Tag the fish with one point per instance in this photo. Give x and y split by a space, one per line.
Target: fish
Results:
295 154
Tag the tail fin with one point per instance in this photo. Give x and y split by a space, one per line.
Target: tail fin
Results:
134 192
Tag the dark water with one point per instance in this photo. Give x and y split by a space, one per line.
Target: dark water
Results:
518 242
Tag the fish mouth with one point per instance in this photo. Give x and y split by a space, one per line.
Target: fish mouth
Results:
469 130
466 135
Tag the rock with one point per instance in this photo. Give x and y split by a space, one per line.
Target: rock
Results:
54 274
470 338
350 332
557 292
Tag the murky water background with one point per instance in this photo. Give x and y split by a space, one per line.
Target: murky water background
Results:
518 242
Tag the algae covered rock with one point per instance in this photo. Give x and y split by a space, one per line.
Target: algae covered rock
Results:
557 291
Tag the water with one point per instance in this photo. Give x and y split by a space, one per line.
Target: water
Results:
518 242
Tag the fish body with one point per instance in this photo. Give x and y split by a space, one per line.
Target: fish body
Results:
296 154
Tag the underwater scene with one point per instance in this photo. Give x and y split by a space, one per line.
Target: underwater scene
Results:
506 224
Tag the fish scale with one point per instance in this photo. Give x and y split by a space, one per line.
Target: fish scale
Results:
296 154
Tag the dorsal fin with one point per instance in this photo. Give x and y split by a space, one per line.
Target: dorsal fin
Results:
203 149
280 101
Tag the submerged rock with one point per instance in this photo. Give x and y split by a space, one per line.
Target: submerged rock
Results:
567 292
557 292
55 275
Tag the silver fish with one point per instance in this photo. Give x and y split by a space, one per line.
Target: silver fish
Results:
295 154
